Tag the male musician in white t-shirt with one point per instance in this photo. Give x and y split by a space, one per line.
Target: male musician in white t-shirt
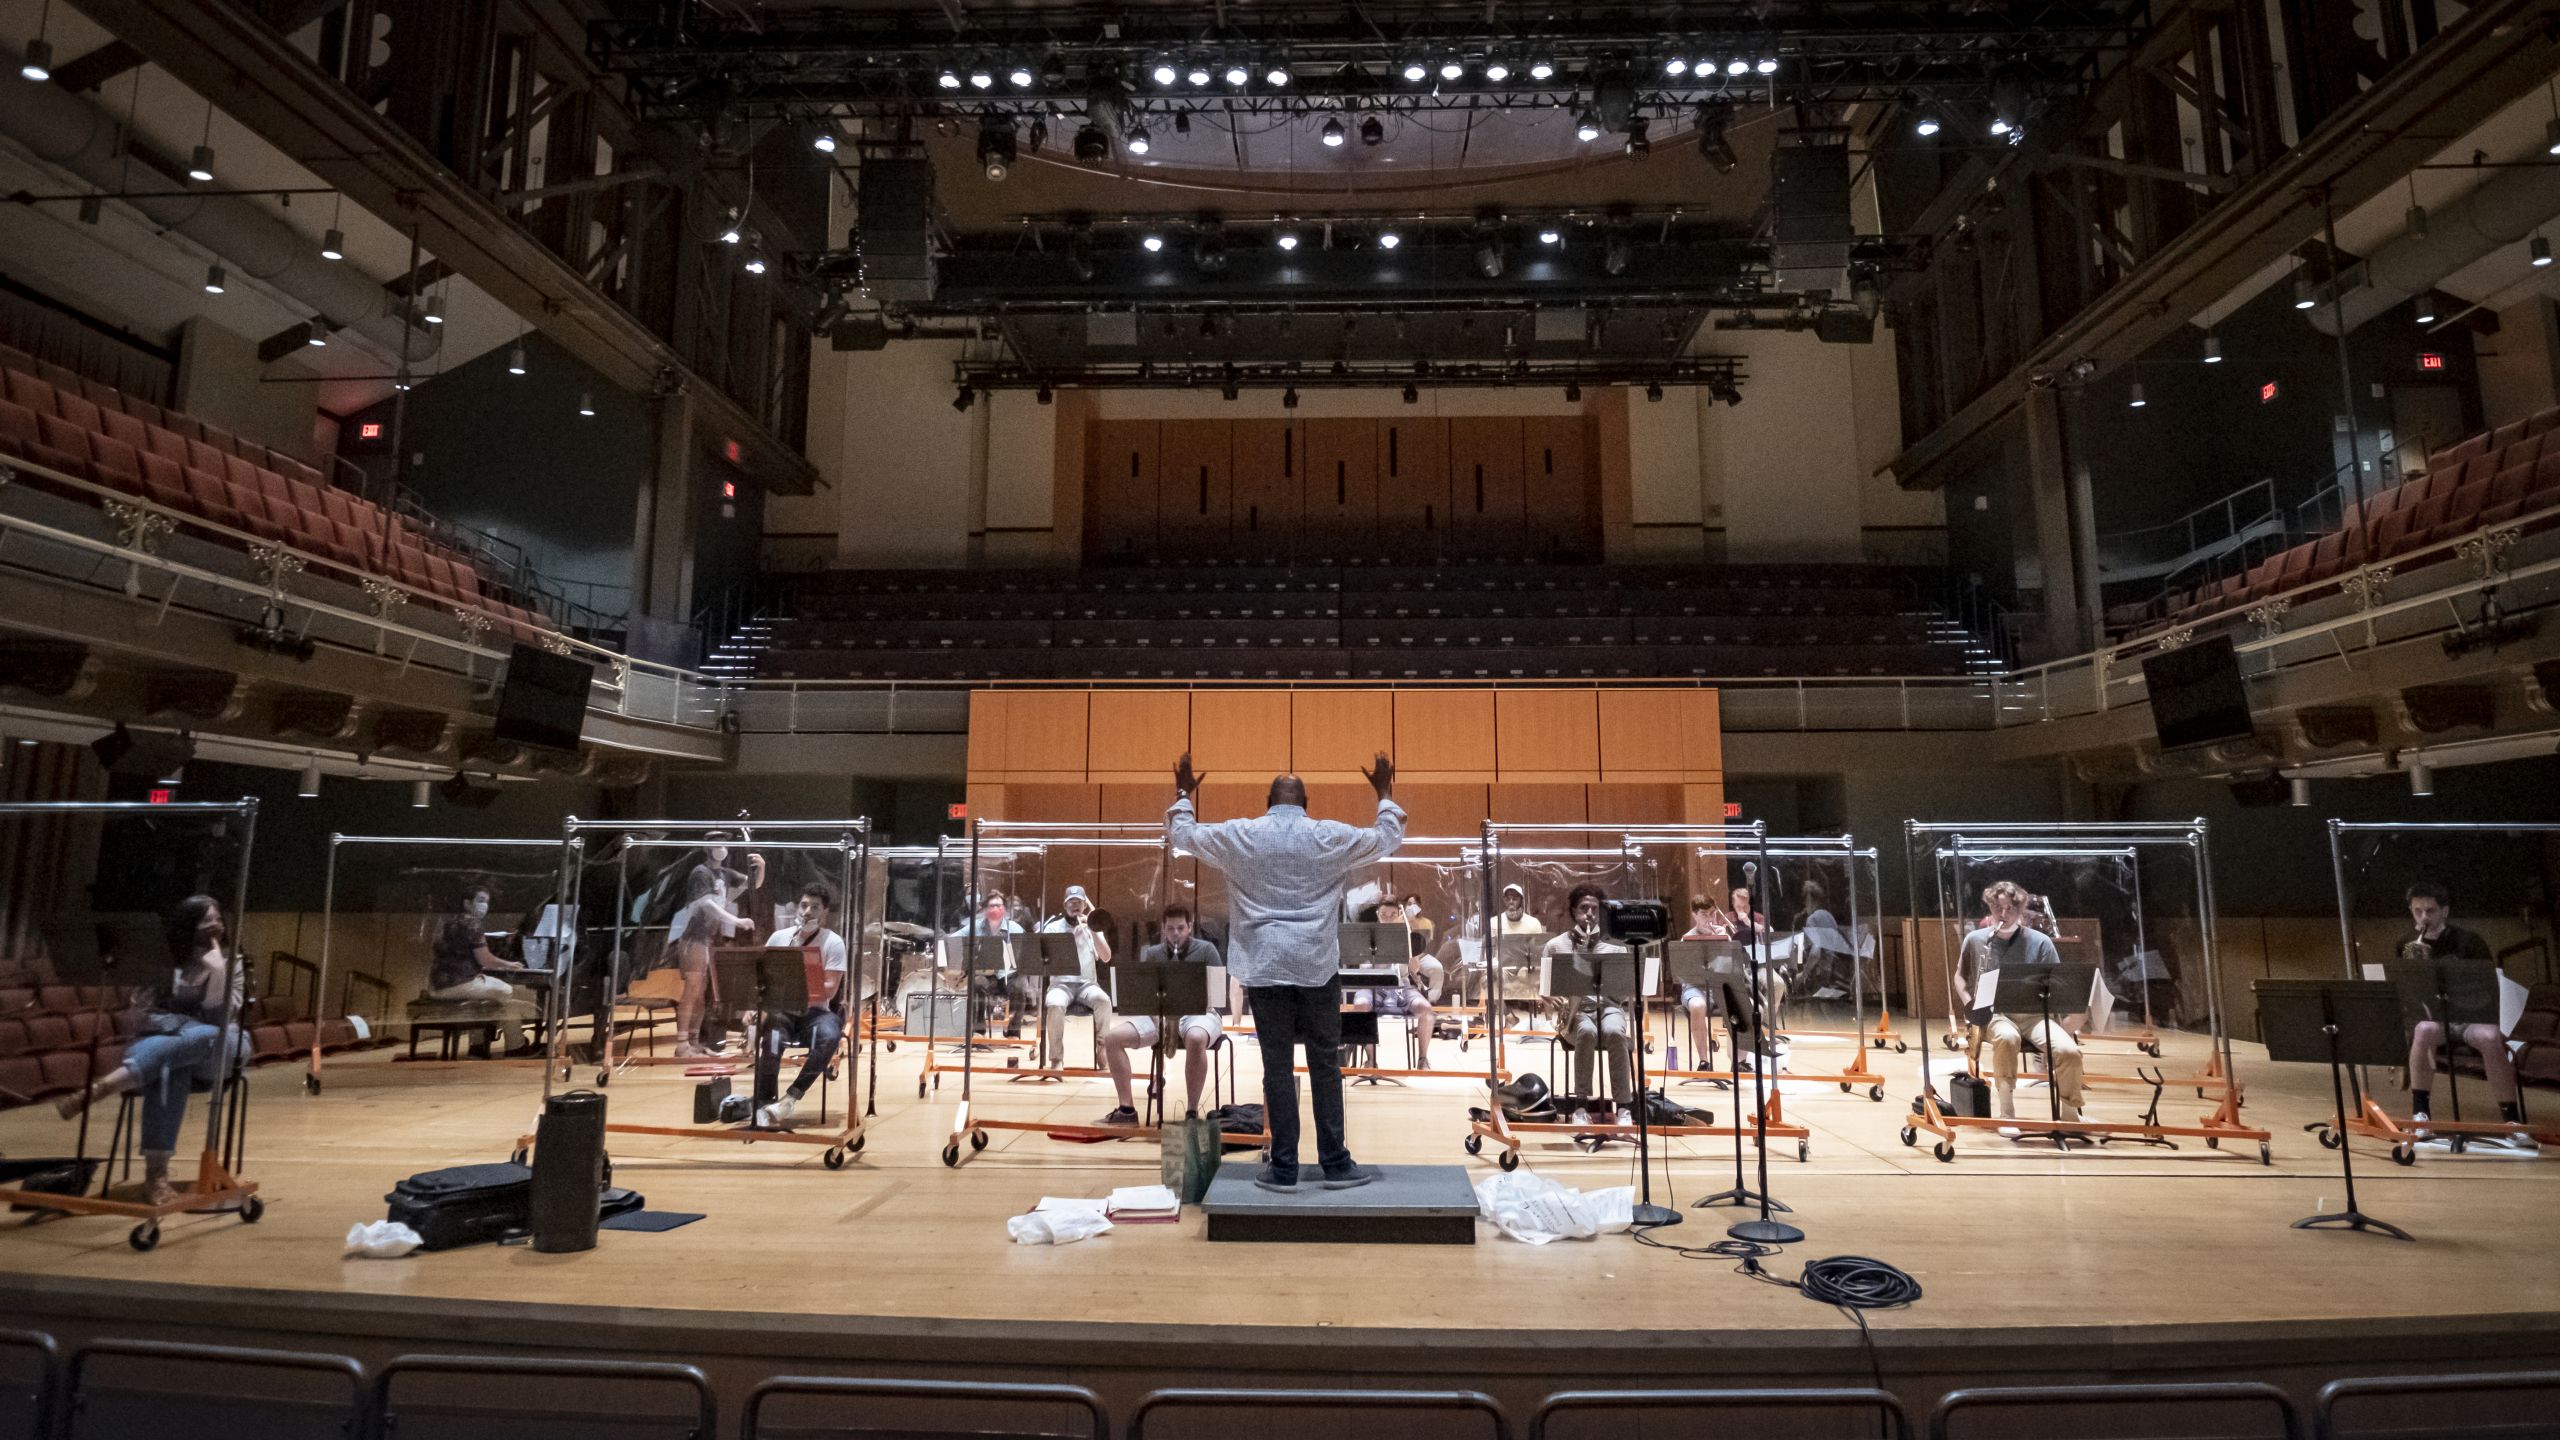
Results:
819 1027
1120 1041
1093 950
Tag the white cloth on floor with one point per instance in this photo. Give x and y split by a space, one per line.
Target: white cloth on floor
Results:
1061 1226
1533 1209
382 1240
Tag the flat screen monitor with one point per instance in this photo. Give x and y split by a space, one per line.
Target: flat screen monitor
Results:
544 701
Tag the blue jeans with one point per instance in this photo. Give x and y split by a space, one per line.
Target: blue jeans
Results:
166 1069
1283 1017
820 1029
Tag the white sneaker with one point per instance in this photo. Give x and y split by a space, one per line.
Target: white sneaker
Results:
779 1113
2008 1132
2418 1126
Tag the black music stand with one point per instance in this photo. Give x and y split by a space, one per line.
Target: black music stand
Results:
1167 992
1374 957
1731 973
972 955
2023 987
778 977
2347 1023
2455 992
1051 954
1616 974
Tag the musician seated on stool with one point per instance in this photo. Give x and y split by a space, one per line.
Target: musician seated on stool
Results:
987 990
819 1027
1412 1002
2006 945
1093 950
1516 919
2433 934
462 967
1594 1021
1428 971
1710 924
1120 1040
177 1039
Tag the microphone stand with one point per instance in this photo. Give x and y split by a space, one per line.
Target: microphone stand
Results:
1763 1230
1646 1212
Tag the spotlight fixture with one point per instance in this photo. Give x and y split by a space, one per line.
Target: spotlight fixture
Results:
1496 71
997 149
434 314
1286 240
1372 131
1138 142
1165 72
515 361
966 398
825 144
1725 392
1227 387
1617 250
1289 398
1411 395
1489 255
2304 297
1573 392
2540 250
587 404
948 80
1768 65
1737 66
755 262
981 78
1414 73
2301 791
1639 141
2133 398
1039 135
1925 126
1092 146
1020 77
1237 75
333 246
1151 243
1452 69
200 168
1542 69
316 337
2426 308
2000 126
1675 66
2422 778
1044 394
1587 128
1653 392
309 786
213 280
1388 239
1332 132
421 794
729 232
39 63
2550 135
1714 141
2212 348
1277 76
1548 234
1197 74
1209 252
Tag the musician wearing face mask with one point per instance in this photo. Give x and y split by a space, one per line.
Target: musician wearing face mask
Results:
464 968
2009 943
2432 934
1595 1021
1081 990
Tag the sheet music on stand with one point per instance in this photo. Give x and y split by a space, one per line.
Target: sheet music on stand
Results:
1602 974
979 954
1050 953
777 976
1368 945
1167 992
553 939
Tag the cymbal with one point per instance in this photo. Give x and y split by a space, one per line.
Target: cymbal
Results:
902 929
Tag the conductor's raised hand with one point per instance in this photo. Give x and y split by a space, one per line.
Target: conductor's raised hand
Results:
1382 778
1185 779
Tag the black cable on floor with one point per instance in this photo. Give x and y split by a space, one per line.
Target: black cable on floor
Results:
1851 1284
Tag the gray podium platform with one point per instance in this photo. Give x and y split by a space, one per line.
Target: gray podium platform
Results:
1405 1205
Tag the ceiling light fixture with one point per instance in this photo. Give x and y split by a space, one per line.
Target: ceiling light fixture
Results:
1388 240
1151 243
1372 131
1332 133
1925 126
2133 398
39 62
1452 69
1020 77
587 404
1737 66
1198 74
948 80
515 360
1675 66
1768 65
1139 142
1277 76
1414 73
1237 75
213 280
1286 240
1542 69
200 168
1496 71
2540 250
1587 128
1550 235
1165 72
2212 348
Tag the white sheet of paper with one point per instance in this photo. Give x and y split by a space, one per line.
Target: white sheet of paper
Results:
2510 1004
2374 972
1144 1198
2102 1005
1986 989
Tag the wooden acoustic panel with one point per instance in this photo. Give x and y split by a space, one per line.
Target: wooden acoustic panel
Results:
987 731
1413 482
1351 802
1137 734
1066 804
1240 735
1643 735
1335 734
1338 486
1485 493
1135 801
1560 492
1442 810
1547 734
1120 521
1263 519
1445 735
1194 484
1538 804
1633 804
1702 731
1045 735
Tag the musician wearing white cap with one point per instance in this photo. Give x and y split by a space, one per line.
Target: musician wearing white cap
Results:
1093 950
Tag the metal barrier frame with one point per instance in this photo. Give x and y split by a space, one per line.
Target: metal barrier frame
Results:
2172 1393
2324 1409
1892 1405
215 1184
706 1404
49 1373
991 1391
1466 1401
359 1421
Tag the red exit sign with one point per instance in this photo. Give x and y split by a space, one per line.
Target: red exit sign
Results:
369 430
2430 360
1733 809
163 796
957 811
2266 392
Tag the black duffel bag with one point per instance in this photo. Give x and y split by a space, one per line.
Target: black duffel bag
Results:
464 1204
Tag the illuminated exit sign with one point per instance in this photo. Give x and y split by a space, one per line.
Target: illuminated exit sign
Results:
957 812
2430 360
2266 392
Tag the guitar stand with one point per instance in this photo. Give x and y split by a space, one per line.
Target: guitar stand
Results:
2150 1115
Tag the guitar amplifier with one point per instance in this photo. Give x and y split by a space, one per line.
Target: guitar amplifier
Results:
942 1012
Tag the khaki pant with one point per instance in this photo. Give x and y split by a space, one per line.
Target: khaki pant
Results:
2062 1061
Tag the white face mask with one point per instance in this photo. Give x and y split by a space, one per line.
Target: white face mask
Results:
478 908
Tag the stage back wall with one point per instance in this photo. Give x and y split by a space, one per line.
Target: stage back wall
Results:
1605 755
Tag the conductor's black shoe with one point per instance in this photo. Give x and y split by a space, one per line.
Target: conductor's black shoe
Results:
1351 1179
1263 1178
1122 1116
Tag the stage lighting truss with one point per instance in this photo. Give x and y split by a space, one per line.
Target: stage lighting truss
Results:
1722 374
1415 55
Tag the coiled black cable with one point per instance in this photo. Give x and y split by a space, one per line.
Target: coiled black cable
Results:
1851 1284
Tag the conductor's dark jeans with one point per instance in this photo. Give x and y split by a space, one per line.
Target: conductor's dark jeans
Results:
1284 1016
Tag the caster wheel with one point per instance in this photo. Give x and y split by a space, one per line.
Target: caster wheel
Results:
2403 1155
2328 1138
1876 1093
252 1210
519 1156
2213 1142
1510 1160
2266 1154
1901 1048
893 1047
977 1139
951 1154
1910 1136
603 1078
1474 1144
2460 1145
1944 1152
859 1141
834 1157
1804 1151
2152 1049
919 1089
310 1084
1846 1087
144 1235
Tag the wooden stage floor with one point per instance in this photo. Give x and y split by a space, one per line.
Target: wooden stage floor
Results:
2033 1263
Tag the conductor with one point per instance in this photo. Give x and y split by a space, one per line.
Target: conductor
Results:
1286 873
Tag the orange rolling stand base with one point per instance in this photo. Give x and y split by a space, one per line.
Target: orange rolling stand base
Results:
1505 1132
972 1129
215 1188
2377 1123
2222 1124
842 1142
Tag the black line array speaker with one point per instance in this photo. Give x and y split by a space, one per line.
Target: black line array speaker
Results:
894 236
568 1171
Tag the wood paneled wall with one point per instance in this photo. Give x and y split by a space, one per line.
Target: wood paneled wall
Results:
1608 756
1470 486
